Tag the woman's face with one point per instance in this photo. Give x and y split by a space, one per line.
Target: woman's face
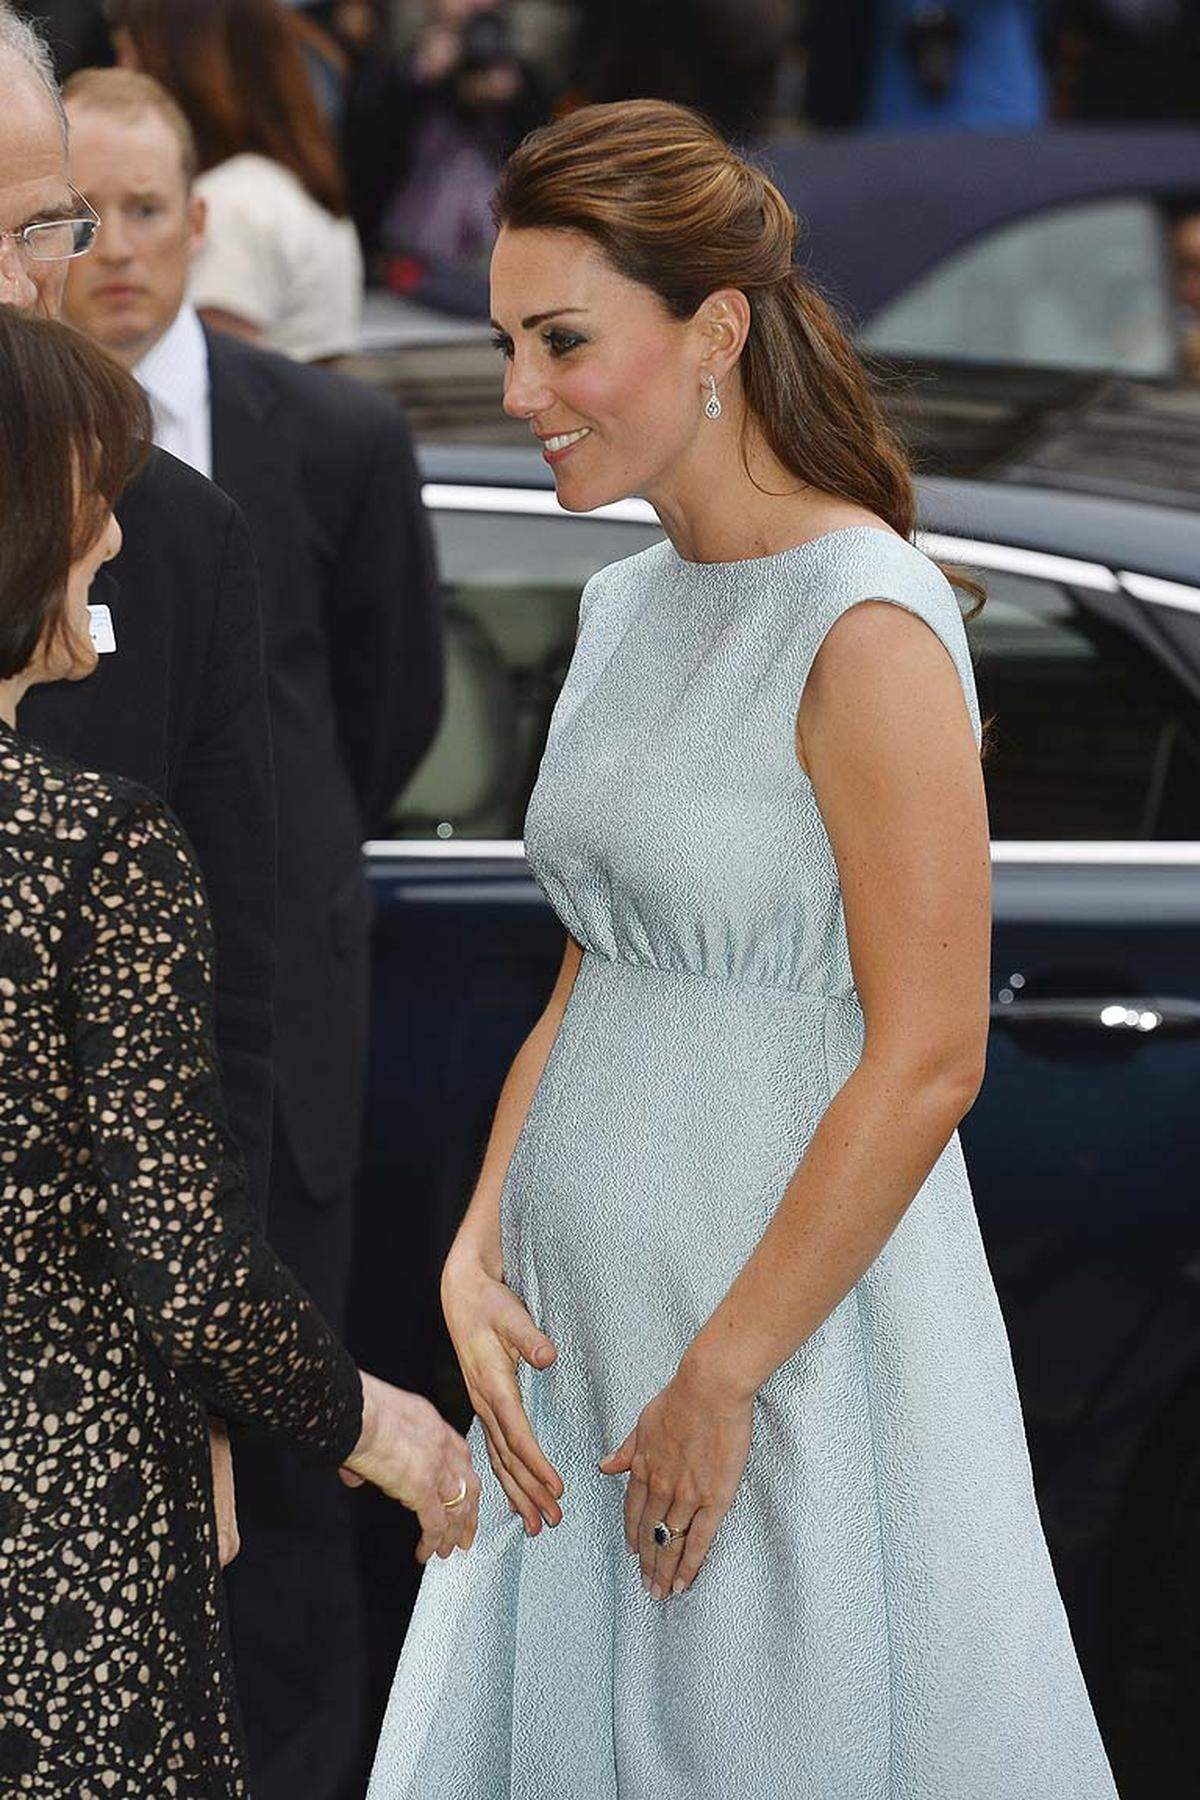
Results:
71 655
596 361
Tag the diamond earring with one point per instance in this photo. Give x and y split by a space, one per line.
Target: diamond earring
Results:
712 406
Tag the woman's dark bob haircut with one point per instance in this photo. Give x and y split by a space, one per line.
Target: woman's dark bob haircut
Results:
74 428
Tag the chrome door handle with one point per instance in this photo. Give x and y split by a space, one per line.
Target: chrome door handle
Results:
1143 1014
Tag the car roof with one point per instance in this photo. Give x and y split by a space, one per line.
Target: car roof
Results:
881 210
1121 534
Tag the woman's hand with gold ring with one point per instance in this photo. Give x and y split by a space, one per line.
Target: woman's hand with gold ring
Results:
409 1451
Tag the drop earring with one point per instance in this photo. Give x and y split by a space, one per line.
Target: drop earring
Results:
712 406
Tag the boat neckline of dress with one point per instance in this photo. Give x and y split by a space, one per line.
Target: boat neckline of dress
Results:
690 565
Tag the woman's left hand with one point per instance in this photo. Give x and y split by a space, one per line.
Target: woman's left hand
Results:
685 1458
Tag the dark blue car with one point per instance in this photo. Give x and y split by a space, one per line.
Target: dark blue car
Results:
1084 1145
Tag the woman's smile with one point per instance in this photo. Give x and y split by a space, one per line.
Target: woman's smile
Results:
555 448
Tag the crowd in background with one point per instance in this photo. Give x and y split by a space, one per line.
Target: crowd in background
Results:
424 98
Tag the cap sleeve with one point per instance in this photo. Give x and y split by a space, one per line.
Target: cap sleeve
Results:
878 565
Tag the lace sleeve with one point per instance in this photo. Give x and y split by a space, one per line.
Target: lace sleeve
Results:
206 1289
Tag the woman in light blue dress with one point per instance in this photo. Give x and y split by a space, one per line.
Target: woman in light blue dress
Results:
762 1525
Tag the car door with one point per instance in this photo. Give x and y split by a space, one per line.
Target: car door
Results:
1084 1144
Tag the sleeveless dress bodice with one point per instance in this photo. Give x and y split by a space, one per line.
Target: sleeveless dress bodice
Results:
877 1618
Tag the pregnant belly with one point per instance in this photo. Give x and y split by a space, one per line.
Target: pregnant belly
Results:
671 1114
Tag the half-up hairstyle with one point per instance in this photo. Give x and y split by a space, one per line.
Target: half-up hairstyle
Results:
673 207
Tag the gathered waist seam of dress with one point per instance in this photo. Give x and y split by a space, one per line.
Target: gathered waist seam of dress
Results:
769 989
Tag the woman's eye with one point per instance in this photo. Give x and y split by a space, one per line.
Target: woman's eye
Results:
557 342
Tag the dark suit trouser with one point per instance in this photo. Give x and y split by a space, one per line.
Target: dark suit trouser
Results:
295 1600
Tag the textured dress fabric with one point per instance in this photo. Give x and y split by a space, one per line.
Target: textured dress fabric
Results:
877 1618
137 1297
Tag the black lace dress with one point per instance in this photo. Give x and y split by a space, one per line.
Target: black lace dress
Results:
135 1296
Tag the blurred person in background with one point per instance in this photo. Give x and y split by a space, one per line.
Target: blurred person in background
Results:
424 152
957 64
324 473
720 56
1128 60
353 25
137 1287
838 39
280 264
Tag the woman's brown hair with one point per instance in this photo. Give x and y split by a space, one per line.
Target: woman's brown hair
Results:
237 70
74 429
673 207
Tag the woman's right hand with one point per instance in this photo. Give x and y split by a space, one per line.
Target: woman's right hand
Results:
492 1333
407 1450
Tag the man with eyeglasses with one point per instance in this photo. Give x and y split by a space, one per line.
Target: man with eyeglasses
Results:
180 700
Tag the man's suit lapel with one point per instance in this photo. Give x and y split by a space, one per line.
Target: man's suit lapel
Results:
251 462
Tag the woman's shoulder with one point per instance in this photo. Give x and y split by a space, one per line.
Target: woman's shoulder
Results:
76 808
851 563
862 563
810 581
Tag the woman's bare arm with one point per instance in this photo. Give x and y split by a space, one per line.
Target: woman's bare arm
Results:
478 1238
884 736
491 1329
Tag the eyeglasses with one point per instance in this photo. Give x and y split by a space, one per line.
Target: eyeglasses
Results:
56 240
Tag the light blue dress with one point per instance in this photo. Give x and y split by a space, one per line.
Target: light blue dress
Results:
878 1618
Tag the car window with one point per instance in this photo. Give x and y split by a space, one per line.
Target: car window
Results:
510 584
1091 738
1076 287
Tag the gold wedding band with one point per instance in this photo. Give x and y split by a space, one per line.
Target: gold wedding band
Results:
458 1498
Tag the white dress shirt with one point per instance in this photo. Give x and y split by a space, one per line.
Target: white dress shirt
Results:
174 378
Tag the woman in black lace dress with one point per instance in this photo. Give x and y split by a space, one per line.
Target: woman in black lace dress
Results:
136 1293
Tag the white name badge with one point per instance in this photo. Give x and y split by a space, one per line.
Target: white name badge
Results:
104 638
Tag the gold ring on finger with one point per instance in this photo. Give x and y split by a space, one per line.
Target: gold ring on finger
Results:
664 1537
458 1498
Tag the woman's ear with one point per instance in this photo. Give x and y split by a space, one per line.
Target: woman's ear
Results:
724 322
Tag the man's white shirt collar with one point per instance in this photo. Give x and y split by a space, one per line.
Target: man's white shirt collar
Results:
174 376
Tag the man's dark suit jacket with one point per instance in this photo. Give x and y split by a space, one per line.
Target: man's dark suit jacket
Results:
323 470
182 706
